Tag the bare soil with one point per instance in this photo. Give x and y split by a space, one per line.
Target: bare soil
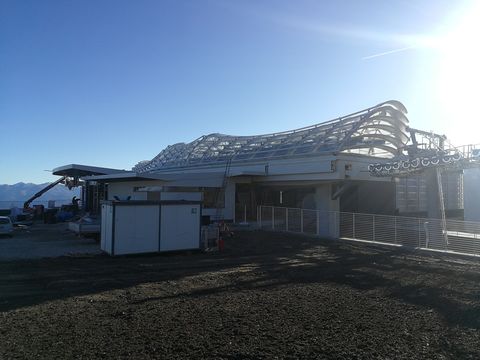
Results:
44 240
266 296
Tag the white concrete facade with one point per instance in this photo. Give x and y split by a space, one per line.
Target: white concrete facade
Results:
320 172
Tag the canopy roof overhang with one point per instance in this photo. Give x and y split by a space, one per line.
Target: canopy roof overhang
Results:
124 176
173 179
78 171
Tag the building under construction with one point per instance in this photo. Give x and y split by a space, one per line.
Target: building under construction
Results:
371 161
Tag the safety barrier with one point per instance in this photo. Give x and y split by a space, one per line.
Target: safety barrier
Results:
457 237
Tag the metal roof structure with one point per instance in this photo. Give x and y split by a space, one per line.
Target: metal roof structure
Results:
381 130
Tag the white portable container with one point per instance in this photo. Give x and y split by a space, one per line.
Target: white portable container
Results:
132 227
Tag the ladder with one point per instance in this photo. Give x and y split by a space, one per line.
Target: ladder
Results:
220 205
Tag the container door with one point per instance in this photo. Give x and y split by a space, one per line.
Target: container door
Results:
180 227
136 229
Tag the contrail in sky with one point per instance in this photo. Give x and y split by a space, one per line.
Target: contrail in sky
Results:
341 31
387 53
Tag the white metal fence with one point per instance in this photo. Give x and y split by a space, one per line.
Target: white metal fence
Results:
458 237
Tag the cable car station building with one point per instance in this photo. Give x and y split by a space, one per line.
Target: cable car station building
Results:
347 164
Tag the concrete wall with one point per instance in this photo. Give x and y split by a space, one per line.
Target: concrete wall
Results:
124 189
318 172
472 194
369 197
228 211
322 167
328 224
323 198
433 198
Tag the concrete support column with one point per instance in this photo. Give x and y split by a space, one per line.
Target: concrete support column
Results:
327 220
323 198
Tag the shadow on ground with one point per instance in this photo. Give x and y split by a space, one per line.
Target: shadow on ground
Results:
446 285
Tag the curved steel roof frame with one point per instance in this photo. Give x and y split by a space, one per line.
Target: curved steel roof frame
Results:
379 131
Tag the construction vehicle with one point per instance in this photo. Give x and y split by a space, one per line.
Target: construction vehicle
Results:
26 204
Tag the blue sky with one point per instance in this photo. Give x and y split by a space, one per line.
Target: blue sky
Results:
110 83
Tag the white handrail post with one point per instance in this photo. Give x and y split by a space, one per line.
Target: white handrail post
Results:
427 235
373 223
259 215
336 224
286 219
419 229
353 226
273 218
395 227
301 221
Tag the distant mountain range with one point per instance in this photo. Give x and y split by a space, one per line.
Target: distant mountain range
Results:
21 192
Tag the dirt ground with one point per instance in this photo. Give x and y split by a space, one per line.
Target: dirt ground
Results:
45 240
266 296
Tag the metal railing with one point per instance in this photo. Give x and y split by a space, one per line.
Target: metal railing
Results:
470 151
461 237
